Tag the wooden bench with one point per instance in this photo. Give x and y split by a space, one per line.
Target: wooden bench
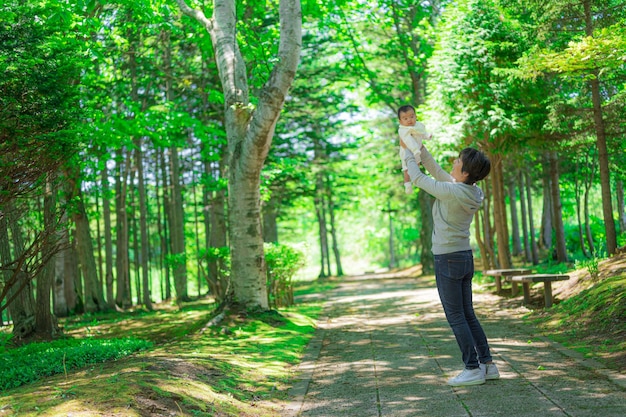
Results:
499 273
547 280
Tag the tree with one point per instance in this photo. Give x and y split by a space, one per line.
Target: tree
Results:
386 52
249 130
475 98
39 111
584 36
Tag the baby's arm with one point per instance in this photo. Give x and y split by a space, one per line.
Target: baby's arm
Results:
420 130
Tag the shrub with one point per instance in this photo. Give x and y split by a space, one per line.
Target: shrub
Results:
282 263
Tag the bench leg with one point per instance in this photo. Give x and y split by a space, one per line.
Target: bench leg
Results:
526 287
514 289
548 293
498 285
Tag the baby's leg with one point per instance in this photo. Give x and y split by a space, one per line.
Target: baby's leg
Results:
417 154
408 188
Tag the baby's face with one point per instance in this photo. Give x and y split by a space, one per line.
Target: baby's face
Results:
408 118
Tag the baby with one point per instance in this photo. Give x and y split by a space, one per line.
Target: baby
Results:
412 133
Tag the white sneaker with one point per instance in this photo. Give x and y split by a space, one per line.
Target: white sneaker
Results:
490 370
468 377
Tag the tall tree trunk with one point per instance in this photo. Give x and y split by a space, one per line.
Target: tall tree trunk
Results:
515 235
93 296
6 275
490 259
132 207
45 322
143 227
621 214
333 231
177 212
427 259
322 230
249 292
122 298
59 303
531 223
499 211
177 228
392 251
17 290
588 232
215 195
72 280
579 202
603 155
196 226
98 248
164 234
249 135
522 199
20 298
557 207
545 235
484 256
108 238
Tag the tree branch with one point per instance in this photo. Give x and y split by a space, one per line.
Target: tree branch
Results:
195 14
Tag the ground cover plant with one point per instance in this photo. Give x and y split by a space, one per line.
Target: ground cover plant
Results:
240 366
37 360
591 317
244 364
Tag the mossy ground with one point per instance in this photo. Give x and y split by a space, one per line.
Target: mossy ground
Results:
245 365
241 367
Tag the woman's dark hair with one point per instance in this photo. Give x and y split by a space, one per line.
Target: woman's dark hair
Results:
475 164
405 109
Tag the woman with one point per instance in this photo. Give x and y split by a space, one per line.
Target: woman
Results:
457 198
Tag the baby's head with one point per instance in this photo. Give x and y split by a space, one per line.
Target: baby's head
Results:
406 115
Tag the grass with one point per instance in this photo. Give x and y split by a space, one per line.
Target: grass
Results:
36 360
241 367
593 321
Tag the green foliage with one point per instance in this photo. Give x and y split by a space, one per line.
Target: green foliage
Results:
578 57
36 360
221 253
592 265
477 42
282 263
5 339
40 63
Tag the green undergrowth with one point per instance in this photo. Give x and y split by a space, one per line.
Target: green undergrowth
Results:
33 361
243 365
592 321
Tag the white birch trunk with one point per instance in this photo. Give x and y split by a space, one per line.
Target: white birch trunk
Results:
249 133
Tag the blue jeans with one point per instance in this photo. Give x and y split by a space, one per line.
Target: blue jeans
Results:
454 273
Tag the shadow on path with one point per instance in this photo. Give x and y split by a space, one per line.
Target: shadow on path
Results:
384 348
